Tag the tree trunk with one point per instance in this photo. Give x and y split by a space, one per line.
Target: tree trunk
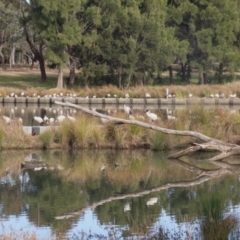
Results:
12 56
183 70
72 74
38 54
42 69
2 56
205 78
200 78
60 78
220 73
170 74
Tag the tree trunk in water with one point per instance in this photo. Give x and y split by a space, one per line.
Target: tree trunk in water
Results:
42 69
170 75
220 73
60 78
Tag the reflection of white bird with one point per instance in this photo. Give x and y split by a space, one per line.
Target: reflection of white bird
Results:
127 207
152 201
151 115
127 110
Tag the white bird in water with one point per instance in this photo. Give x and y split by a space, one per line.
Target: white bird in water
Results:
147 95
152 116
127 207
126 95
127 110
190 95
152 201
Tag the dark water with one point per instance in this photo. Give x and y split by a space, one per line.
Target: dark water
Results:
115 194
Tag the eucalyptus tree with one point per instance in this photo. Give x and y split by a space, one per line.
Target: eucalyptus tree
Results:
10 31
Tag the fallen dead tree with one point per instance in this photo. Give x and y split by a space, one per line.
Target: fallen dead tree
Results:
226 149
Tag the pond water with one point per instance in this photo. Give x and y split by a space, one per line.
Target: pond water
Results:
108 194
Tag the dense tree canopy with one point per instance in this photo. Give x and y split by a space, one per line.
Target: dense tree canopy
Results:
124 42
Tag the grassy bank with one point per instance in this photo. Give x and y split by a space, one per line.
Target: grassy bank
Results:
89 132
25 79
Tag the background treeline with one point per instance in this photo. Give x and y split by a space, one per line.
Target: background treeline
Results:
123 42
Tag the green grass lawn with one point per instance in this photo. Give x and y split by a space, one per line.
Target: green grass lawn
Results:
24 82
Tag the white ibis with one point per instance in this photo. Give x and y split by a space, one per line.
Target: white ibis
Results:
45 119
7 119
38 119
60 118
127 110
233 95
152 116
73 119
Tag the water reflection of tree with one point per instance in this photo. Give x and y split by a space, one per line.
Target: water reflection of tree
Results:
135 179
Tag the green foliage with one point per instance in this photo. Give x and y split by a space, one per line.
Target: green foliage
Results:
159 141
46 138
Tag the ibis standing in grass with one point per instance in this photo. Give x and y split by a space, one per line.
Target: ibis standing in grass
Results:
127 110
151 116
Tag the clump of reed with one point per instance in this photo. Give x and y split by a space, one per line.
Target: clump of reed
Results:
214 225
12 136
85 132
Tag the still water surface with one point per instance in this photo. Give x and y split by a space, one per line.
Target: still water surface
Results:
111 194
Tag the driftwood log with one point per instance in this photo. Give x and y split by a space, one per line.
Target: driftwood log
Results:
226 149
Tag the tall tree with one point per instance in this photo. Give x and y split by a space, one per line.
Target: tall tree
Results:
58 27
210 27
